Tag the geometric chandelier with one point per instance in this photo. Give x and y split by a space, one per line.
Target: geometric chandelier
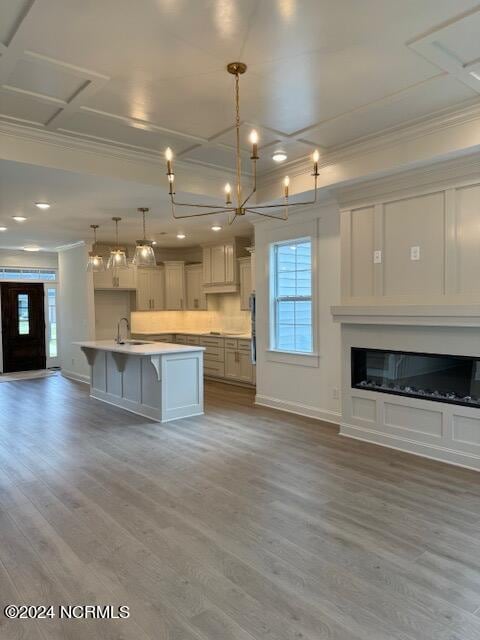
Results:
241 205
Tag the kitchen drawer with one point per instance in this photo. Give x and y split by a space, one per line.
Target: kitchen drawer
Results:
193 340
181 339
211 341
214 354
244 345
216 369
230 343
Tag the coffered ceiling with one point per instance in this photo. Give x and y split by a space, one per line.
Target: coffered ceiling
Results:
145 74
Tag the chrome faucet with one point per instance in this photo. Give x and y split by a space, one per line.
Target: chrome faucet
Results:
118 339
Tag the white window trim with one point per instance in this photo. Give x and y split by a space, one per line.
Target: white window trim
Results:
311 359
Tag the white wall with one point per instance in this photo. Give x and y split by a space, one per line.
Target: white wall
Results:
77 316
305 388
110 306
41 259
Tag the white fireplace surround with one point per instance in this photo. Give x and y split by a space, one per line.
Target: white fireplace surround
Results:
446 432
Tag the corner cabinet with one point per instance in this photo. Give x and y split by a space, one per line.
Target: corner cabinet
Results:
220 268
174 285
150 289
195 297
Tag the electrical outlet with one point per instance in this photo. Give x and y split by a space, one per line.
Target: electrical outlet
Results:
335 393
377 257
414 253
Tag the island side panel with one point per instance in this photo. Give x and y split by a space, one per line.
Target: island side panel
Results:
128 382
182 385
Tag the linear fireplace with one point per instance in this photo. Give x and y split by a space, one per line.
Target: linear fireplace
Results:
439 377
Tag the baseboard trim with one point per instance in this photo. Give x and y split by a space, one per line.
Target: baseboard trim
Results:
433 452
299 409
78 377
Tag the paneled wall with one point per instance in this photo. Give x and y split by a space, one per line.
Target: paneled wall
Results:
417 249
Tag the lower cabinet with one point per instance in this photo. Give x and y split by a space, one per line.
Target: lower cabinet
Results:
238 366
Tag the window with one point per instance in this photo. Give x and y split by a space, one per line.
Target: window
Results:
52 322
34 275
291 286
23 314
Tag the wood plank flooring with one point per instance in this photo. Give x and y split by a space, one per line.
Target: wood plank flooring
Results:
243 524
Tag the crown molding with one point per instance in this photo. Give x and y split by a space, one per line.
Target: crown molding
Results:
441 175
71 245
106 149
442 121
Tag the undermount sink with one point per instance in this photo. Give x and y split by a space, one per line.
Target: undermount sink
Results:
135 343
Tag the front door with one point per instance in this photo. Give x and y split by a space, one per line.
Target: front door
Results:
23 327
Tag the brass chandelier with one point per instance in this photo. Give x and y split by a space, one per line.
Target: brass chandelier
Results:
241 205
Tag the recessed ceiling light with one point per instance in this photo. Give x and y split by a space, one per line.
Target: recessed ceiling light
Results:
31 248
3 228
216 227
154 242
279 156
42 205
181 236
19 218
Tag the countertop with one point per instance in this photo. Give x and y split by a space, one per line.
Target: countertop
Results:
205 334
146 349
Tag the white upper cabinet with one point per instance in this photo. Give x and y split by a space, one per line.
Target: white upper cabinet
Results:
245 267
174 285
196 298
150 289
116 279
220 268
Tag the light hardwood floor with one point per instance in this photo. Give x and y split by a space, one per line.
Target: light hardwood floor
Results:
244 524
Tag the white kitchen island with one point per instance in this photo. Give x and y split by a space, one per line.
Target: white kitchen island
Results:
154 379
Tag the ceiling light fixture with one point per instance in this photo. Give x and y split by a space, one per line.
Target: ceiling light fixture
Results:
3 228
279 156
181 236
19 218
144 253
95 262
241 207
118 257
216 227
31 248
42 205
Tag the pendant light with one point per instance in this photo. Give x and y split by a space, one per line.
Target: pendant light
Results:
118 258
95 261
144 253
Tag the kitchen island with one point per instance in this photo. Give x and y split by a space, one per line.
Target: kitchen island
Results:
154 379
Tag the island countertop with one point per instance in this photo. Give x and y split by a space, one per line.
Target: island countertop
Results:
144 349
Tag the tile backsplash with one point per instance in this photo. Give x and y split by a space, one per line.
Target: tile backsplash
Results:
224 314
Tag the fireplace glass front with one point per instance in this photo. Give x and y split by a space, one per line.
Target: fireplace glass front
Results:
444 378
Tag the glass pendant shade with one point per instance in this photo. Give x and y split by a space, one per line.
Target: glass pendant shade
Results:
117 260
118 257
95 262
144 254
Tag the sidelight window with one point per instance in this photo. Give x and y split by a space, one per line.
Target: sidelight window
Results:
52 322
23 314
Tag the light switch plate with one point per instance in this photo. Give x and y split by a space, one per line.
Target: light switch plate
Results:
377 257
414 253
